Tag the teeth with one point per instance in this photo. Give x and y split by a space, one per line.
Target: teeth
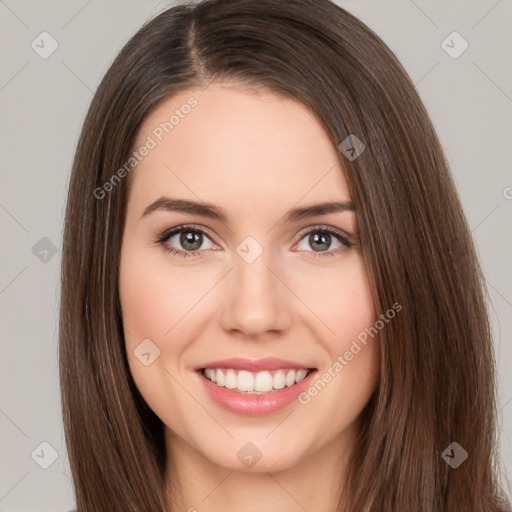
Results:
263 382
290 378
230 379
254 383
279 380
210 374
245 381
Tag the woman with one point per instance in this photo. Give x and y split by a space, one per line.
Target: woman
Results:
270 297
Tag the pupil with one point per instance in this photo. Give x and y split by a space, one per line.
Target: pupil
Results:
320 238
189 238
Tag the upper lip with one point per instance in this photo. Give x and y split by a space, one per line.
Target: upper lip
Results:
254 365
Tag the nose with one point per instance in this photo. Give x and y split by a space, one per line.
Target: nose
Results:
257 302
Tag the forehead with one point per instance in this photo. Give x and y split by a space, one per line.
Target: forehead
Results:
226 142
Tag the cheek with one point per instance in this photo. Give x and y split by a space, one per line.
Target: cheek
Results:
343 300
150 308
348 378
345 305
154 297
145 304
158 302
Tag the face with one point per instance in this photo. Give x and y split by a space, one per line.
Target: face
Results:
255 287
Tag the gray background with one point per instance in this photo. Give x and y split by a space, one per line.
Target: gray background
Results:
43 103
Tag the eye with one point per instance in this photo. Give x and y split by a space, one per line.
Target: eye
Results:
184 241
187 240
321 238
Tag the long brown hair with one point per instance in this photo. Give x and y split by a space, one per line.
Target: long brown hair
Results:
437 382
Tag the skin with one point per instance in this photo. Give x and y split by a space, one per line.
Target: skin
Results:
257 155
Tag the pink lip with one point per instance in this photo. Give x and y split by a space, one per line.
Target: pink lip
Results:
253 365
256 405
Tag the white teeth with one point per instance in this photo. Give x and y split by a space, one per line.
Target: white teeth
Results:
300 375
263 382
245 381
279 380
230 379
256 383
210 374
290 378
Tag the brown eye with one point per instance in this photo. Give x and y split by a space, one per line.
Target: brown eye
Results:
321 241
191 240
185 241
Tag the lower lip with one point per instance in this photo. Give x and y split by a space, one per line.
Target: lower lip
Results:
255 405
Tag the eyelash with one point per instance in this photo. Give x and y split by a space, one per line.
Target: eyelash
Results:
166 235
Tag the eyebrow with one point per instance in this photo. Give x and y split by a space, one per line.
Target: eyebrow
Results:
216 212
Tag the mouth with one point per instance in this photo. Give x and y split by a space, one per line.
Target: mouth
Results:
254 387
255 383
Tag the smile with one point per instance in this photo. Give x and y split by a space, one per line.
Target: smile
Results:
262 382
254 388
